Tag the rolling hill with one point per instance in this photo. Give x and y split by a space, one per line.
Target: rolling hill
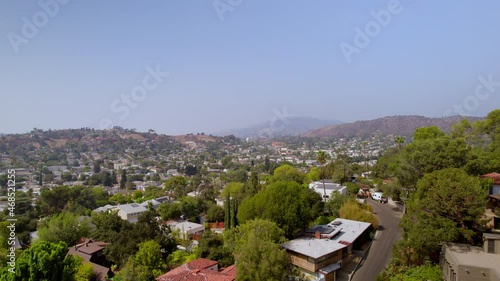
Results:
404 125
289 126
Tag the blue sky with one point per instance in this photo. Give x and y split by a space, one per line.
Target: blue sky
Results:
233 71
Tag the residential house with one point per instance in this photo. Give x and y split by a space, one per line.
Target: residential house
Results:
130 212
187 230
463 262
493 202
330 187
105 208
153 202
323 248
92 253
200 270
172 172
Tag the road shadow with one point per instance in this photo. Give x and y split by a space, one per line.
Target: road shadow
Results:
380 228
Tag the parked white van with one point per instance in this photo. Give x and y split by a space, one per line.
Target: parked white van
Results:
377 196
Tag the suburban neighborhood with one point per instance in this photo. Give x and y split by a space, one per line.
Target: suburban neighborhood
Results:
212 208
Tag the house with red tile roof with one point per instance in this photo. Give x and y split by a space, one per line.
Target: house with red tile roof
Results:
200 270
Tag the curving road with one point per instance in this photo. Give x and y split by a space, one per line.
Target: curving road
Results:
380 252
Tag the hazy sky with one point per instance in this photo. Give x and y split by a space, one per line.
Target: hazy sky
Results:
233 63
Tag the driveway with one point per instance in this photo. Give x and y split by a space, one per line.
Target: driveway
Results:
380 252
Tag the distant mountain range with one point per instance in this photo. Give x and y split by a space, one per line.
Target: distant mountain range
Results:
392 125
284 126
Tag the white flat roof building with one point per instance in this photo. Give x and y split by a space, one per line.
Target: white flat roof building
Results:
329 186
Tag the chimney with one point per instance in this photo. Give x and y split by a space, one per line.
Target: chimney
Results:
196 271
317 235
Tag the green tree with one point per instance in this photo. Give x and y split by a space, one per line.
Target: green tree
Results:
215 213
428 155
343 159
232 189
267 164
399 140
100 196
123 178
287 173
426 133
211 246
290 205
178 185
170 211
180 257
352 210
192 207
322 162
85 272
150 257
66 227
257 252
120 198
67 176
43 261
335 202
419 273
352 188
97 167
227 213
447 207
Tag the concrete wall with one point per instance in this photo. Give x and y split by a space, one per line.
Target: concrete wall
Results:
467 273
302 262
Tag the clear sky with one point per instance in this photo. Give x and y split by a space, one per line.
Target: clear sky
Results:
70 65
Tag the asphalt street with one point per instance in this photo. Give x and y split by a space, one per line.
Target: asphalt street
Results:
380 252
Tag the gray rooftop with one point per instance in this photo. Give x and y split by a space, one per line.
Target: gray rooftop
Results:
132 208
469 255
314 248
323 229
345 232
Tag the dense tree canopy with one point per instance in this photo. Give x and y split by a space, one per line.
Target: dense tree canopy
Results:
145 265
291 206
257 252
287 173
125 237
43 261
66 227
447 207
231 189
211 246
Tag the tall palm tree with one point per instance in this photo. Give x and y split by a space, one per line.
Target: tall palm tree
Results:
399 142
322 161
364 145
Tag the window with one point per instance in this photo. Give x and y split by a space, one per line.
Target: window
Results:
496 223
491 246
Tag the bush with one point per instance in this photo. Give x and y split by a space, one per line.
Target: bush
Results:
354 211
